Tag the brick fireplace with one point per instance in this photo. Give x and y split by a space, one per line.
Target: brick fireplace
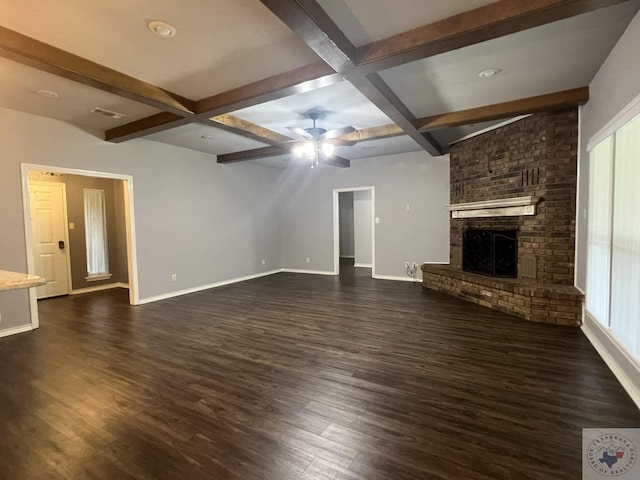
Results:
520 177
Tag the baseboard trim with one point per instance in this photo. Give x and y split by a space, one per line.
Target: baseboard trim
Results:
619 361
311 272
200 288
98 288
397 279
16 330
363 265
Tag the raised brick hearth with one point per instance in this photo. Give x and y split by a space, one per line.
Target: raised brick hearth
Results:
537 157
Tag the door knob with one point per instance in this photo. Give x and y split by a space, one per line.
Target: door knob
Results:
61 245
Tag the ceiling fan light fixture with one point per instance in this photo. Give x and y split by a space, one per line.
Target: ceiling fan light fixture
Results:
316 145
309 150
298 151
327 149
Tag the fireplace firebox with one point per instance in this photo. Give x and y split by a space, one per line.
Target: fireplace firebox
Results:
490 252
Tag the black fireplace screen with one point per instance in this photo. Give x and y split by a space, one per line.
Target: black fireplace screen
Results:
490 252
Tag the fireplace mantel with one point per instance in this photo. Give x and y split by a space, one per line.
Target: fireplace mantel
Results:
503 207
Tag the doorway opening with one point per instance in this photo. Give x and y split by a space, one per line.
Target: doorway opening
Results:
354 228
58 231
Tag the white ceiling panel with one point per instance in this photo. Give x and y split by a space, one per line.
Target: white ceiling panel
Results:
340 105
555 57
220 44
19 84
365 21
215 141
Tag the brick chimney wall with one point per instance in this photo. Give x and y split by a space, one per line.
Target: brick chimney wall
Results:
534 156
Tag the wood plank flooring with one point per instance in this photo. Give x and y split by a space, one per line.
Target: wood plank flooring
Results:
299 377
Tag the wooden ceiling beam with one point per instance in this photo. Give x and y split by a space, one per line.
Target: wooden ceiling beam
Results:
152 124
312 24
299 80
242 131
363 135
251 128
165 120
372 133
253 154
29 51
474 26
539 103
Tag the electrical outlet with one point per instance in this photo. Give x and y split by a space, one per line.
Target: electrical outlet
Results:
263 262
174 277
308 260
406 264
414 265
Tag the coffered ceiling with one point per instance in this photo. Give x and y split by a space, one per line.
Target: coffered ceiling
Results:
238 73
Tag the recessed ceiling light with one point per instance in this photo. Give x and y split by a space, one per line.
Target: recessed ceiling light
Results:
489 72
161 29
48 94
107 113
206 137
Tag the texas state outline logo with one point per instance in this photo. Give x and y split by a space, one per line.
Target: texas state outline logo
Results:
610 454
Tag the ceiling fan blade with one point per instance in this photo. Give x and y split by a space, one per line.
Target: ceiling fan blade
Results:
338 132
301 132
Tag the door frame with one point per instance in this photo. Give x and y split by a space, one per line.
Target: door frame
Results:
132 263
65 219
336 227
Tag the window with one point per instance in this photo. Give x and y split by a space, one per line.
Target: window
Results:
613 250
599 237
95 225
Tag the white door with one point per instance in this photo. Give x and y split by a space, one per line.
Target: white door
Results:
48 223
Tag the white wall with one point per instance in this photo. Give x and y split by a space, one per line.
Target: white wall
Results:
362 211
202 221
420 233
615 85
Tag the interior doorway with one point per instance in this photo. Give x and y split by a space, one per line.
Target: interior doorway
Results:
354 228
76 186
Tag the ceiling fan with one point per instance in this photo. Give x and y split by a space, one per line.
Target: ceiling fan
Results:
316 143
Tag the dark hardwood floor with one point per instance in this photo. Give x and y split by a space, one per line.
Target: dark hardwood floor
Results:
299 377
